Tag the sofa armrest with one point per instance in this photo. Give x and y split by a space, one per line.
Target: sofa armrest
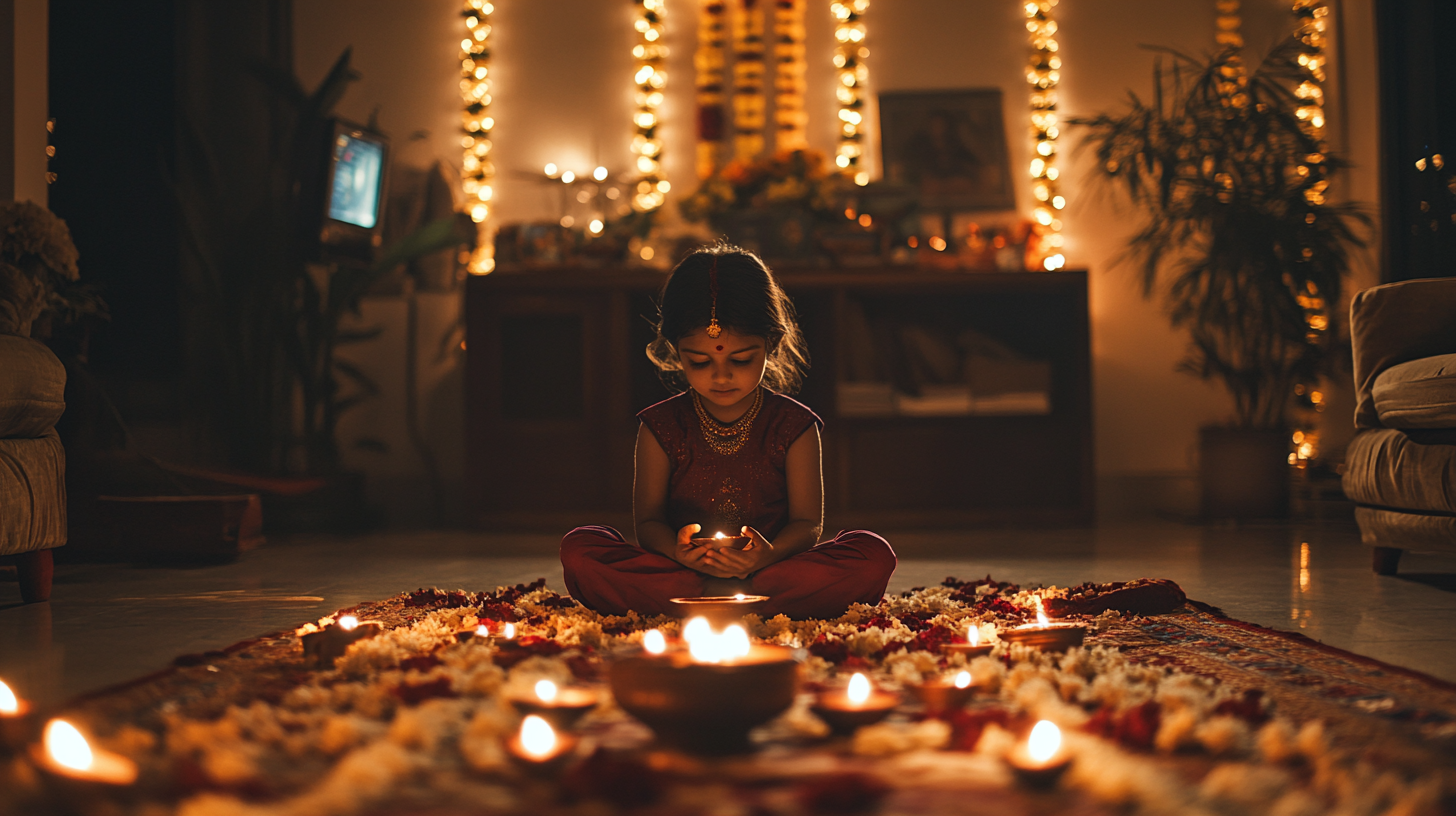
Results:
1396 323
32 494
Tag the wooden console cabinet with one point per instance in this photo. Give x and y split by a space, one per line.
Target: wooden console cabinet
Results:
556 372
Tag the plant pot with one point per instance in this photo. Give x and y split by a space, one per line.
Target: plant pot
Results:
1243 473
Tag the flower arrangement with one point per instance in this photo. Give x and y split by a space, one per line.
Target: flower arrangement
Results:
37 268
793 179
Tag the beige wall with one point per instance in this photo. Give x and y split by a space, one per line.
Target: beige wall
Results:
26 77
563 95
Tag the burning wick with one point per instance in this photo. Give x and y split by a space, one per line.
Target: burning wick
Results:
707 646
67 747
973 635
1041 618
720 535
1044 742
963 680
739 596
859 689
482 631
537 738
546 691
9 705
653 642
348 623
510 631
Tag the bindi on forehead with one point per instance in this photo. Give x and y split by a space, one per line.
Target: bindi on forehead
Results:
720 348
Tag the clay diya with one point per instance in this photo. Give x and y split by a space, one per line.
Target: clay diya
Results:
68 759
329 644
719 609
1040 761
720 541
1045 635
537 748
561 707
483 633
945 693
707 697
17 721
972 647
858 704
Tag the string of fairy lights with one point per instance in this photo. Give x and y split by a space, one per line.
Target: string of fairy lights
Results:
1043 75
476 169
1311 23
711 62
852 74
790 66
750 108
650 52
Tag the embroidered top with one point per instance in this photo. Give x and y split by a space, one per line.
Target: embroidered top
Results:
725 492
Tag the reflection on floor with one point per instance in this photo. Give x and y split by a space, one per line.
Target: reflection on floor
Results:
109 623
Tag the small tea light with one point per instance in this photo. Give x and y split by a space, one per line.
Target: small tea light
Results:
719 609
1040 761
945 693
858 704
1045 635
653 642
538 746
64 752
329 644
561 706
465 635
17 721
973 647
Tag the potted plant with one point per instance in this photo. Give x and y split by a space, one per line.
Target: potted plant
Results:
1242 244
770 205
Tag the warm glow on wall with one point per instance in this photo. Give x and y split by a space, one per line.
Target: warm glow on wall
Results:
750 108
1043 75
849 60
477 170
650 53
790 66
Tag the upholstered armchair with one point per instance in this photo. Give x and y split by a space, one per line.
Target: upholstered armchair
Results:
32 461
1400 469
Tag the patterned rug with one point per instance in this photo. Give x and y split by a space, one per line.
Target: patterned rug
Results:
1188 711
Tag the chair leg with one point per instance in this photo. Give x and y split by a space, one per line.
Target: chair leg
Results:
36 569
1386 560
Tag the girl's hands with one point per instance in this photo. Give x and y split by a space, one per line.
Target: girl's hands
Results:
730 563
689 554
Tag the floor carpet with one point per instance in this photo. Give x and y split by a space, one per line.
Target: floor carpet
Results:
1184 712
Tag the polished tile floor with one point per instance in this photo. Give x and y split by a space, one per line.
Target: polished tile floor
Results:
108 623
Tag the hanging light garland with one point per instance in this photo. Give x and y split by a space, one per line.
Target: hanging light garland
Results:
790 67
1043 75
1233 79
476 169
650 53
750 109
710 61
849 56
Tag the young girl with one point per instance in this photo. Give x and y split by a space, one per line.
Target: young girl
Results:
728 454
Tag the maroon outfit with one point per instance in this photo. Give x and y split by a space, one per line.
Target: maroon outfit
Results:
723 493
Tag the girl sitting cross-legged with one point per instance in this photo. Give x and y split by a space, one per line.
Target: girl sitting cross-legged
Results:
728 455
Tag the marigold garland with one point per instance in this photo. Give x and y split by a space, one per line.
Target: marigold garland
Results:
650 53
476 169
849 56
1043 75
750 109
790 119
710 62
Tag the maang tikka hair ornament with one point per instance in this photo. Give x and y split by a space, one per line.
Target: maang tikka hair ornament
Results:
713 328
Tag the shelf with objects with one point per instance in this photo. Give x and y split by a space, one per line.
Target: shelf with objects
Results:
950 398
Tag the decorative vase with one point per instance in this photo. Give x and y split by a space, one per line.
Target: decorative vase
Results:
1243 473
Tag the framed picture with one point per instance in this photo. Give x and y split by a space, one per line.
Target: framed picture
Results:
950 146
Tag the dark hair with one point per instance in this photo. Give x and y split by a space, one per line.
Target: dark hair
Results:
750 302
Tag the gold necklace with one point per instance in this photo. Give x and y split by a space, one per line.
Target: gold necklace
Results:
727 439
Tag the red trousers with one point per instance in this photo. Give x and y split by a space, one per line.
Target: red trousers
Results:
610 575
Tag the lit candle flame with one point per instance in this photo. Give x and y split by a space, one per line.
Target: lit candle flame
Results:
546 691
859 689
720 535
8 703
973 635
963 680
695 629
1044 742
537 738
67 747
510 631
482 631
348 623
739 596
653 642
707 646
1041 618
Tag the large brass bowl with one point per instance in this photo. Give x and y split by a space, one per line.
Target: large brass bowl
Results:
702 707
720 610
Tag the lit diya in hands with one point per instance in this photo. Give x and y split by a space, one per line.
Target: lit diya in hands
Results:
1045 635
538 747
329 643
17 721
66 755
560 706
707 697
855 705
720 541
945 693
1040 761
972 647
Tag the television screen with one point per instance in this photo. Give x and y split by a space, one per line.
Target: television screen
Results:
358 176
